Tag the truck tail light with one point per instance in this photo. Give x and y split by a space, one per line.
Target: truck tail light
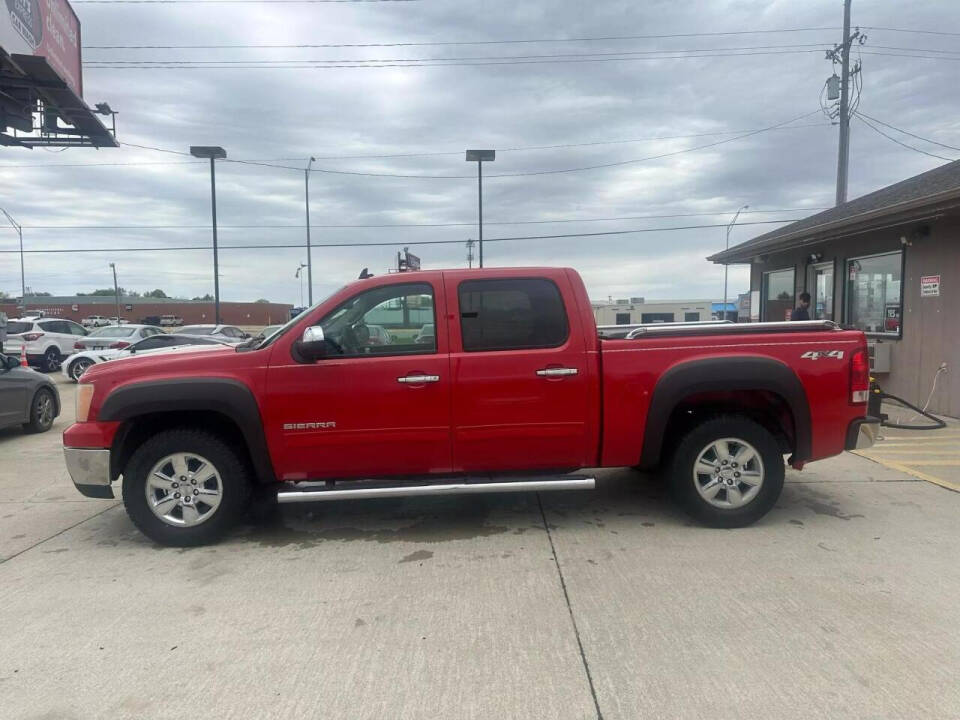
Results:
30 337
119 345
859 377
84 398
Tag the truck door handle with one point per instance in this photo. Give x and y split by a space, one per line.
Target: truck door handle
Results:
418 379
557 372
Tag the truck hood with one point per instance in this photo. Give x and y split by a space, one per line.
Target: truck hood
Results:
161 357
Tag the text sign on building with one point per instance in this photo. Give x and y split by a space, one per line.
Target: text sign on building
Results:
47 29
930 286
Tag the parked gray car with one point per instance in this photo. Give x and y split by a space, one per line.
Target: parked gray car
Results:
26 397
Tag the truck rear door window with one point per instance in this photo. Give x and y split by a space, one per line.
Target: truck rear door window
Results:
511 314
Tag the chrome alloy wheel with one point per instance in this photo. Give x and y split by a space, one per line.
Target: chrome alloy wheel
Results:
44 409
184 489
728 473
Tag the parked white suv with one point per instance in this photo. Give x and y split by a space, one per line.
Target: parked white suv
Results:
95 321
170 321
47 340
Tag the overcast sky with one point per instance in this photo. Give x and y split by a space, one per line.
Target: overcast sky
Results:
284 115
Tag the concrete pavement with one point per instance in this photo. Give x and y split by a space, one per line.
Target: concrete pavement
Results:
840 603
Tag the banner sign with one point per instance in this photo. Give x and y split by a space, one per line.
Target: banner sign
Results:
44 28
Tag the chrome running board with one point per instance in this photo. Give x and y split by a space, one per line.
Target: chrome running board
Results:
342 491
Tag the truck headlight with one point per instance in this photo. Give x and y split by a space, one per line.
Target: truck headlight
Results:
84 399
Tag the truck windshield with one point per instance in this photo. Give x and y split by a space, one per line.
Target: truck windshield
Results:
254 343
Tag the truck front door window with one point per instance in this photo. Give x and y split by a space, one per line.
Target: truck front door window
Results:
387 320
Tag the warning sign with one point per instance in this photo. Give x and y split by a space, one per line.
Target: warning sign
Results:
930 286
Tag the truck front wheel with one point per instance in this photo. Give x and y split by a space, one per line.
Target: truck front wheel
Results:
727 472
185 487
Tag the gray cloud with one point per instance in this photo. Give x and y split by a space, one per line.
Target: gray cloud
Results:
291 114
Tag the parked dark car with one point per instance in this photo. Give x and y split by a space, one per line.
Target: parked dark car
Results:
27 397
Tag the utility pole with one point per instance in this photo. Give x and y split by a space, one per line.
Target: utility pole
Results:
23 283
841 54
726 266
843 159
470 253
306 181
116 291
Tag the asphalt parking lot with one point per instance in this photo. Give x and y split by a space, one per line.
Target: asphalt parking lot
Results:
842 602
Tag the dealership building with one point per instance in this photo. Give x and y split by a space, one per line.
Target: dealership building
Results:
138 309
887 263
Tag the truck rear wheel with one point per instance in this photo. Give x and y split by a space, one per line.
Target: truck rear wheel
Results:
185 487
727 472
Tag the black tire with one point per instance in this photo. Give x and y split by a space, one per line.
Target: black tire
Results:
684 486
78 367
43 410
234 475
51 360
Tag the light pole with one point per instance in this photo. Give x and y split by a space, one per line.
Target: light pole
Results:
23 284
306 188
116 291
726 267
213 153
480 157
299 274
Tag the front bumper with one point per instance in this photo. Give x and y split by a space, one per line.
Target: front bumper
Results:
90 471
862 433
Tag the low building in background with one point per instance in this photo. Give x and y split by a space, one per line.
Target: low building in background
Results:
887 263
636 310
149 310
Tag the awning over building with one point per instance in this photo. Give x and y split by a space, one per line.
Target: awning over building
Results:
924 197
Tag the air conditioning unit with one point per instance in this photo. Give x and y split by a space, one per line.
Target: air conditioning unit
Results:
879 354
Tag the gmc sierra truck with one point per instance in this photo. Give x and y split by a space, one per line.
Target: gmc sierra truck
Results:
513 389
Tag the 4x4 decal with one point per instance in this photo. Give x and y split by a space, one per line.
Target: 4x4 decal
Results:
817 354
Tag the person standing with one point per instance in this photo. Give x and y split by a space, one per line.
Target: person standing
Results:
802 311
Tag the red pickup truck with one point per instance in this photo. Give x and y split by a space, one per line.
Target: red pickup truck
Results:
512 389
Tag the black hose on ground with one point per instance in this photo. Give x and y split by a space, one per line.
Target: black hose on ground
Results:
877 396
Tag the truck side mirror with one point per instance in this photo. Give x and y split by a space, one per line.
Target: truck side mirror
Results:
312 345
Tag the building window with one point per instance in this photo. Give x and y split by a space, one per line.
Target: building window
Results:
778 295
623 318
820 287
647 318
874 301
691 317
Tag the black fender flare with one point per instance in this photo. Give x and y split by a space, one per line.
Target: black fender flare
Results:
230 398
725 373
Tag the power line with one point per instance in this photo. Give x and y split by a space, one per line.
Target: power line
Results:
905 132
582 168
409 155
257 65
440 43
819 46
906 30
356 173
898 142
416 225
225 2
299 246
322 62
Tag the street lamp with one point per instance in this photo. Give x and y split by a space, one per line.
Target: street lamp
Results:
306 187
116 291
300 276
23 285
213 153
726 266
480 157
